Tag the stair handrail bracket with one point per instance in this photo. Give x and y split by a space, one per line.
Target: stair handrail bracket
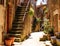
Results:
26 10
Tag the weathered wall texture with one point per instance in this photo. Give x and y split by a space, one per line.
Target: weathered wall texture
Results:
54 5
2 12
27 26
11 14
59 21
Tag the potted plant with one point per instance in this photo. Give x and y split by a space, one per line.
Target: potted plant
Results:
9 40
12 38
51 31
46 25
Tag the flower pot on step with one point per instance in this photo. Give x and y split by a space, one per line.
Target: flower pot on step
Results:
8 42
12 39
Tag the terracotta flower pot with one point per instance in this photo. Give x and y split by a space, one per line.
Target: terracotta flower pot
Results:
12 38
8 42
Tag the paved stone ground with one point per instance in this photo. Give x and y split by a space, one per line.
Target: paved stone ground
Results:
33 40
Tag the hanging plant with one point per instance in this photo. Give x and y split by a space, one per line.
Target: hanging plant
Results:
31 12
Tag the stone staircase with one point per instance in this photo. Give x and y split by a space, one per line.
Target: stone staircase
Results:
18 23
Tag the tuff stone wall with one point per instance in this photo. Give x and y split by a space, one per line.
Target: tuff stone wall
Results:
2 14
27 26
54 5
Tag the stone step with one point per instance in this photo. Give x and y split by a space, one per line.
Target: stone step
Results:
53 39
23 4
21 30
19 19
15 35
18 22
21 24
15 32
57 34
20 10
17 28
22 7
58 42
18 25
19 15
17 39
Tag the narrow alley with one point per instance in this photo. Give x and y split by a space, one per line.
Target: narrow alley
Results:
29 22
34 40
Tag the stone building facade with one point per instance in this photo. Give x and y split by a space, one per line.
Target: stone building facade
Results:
7 11
2 12
8 14
54 14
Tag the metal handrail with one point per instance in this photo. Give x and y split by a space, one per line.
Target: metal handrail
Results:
26 10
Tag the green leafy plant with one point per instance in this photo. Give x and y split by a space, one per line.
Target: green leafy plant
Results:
38 19
47 28
31 12
46 25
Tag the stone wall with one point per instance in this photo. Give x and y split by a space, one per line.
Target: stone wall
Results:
59 21
53 6
11 14
27 26
2 14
